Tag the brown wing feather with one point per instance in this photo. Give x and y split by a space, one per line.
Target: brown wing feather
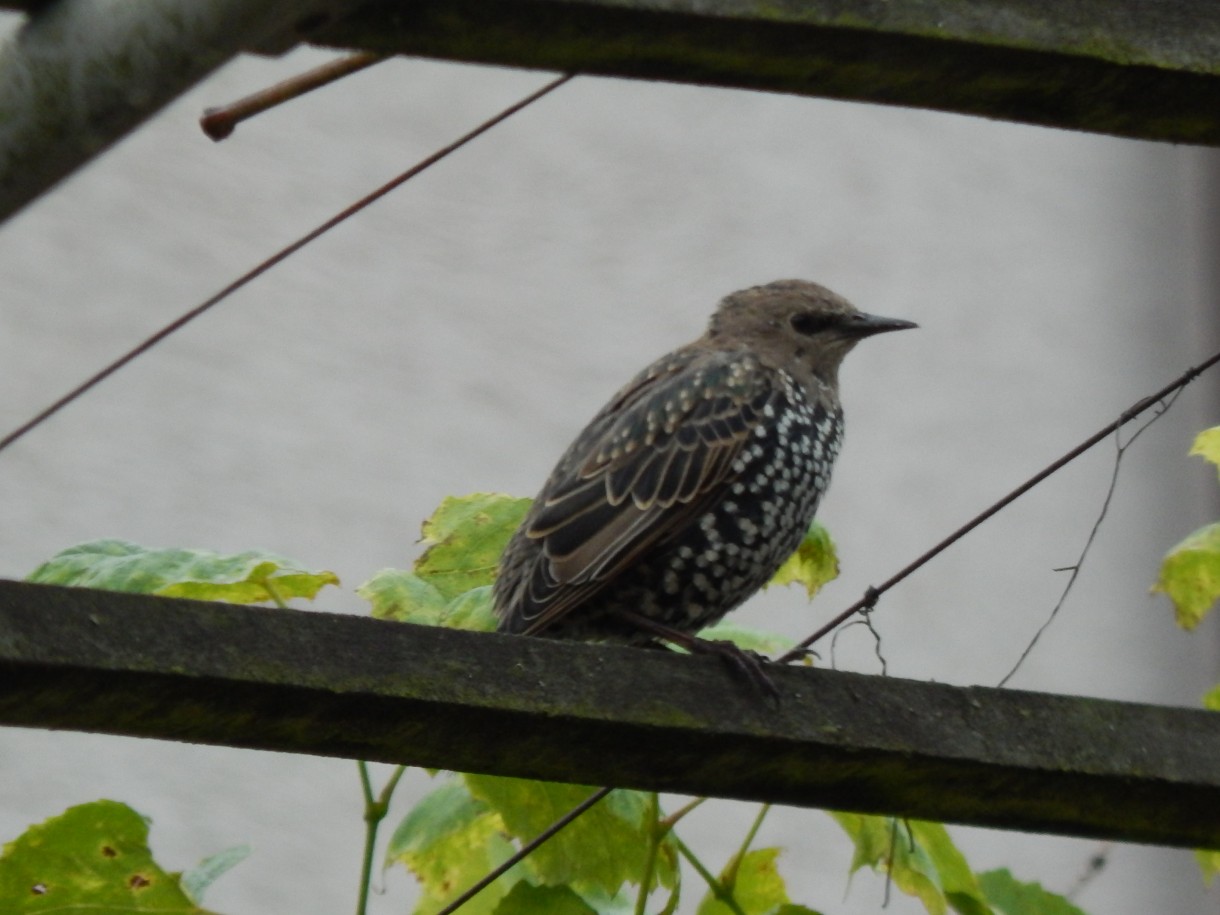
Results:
648 464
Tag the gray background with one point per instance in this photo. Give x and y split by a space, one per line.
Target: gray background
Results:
453 338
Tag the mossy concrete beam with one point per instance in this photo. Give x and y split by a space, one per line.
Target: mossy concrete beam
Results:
1125 67
326 684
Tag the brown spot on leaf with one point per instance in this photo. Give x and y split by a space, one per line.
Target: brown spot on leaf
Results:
138 882
108 852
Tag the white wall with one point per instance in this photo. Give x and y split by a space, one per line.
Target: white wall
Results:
455 336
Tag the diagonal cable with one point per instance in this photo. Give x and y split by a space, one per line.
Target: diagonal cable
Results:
524 851
275 259
871 595
1120 450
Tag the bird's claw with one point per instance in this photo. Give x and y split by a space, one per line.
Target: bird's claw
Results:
746 662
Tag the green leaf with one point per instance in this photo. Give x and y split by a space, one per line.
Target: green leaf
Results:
449 841
403 597
91 858
814 563
527 899
601 850
1211 698
1207 444
921 859
465 537
960 885
747 638
196 881
1010 896
471 610
237 578
1190 575
1209 864
603 903
754 882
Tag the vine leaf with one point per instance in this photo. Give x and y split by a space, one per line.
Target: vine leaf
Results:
1207 446
921 859
1190 572
596 853
465 537
748 638
403 597
1190 576
449 840
1209 864
1211 698
814 563
1010 896
756 885
92 857
527 899
237 578
450 583
406 597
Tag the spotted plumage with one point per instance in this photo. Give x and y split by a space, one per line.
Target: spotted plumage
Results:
688 490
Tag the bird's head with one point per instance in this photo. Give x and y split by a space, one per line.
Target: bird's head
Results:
792 323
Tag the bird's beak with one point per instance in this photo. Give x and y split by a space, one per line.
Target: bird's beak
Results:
865 325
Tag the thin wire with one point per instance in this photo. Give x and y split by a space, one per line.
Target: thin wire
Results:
525 850
866 620
872 594
275 259
1119 452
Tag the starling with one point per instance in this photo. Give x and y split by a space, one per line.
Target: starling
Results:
689 489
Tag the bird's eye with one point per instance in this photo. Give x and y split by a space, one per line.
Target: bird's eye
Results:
810 323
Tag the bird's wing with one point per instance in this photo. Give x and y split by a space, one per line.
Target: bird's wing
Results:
650 463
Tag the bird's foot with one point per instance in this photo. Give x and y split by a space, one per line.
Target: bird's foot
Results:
745 662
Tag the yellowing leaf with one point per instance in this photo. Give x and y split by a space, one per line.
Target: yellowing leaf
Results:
1207 445
91 858
465 537
1211 698
1190 575
237 578
1209 864
814 563
449 841
403 597
450 584
754 883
